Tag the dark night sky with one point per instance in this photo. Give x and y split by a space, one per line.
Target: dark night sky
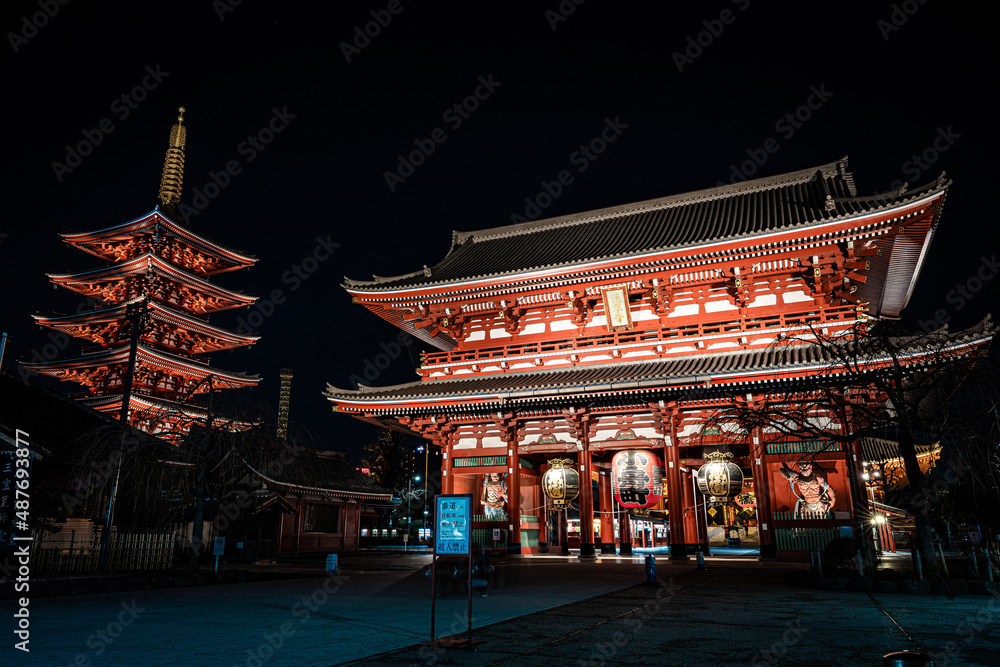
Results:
884 100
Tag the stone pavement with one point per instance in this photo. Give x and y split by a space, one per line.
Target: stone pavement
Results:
313 621
545 610
738 614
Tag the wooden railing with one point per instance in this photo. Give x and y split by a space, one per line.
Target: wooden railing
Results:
653 336
82 552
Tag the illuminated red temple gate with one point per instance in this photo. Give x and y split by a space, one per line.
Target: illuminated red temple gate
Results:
628 328
147 314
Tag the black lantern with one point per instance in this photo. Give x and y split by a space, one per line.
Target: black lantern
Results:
720 478
561 483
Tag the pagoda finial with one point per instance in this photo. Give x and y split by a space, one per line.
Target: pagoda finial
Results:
173 166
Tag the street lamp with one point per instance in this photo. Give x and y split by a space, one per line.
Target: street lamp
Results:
409 499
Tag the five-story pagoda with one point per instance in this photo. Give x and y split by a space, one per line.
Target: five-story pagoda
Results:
151 326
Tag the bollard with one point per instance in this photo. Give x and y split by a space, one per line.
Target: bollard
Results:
975 563
650 569
989 564
944 563
860 562
819 563
919 565
700 557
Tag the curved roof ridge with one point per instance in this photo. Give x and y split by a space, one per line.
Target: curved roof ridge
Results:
707 194
147 220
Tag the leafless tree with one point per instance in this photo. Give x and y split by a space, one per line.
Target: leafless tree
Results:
872 379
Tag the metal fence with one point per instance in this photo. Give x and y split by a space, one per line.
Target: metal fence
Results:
82 552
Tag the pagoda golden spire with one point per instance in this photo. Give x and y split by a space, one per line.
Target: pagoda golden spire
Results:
173 166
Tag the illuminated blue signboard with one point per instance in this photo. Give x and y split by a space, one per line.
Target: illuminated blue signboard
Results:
453 520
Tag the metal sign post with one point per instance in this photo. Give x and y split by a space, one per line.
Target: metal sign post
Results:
452 537
218 549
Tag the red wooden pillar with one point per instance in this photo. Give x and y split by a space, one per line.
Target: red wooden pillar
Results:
586 503
762 496
607 518
564 532
675 495
695 519
625 530
513 497
543 524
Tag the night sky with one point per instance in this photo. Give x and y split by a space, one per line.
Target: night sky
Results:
311 114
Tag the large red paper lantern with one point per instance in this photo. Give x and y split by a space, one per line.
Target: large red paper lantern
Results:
637 478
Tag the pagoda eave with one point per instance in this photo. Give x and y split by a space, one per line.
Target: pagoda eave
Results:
104 283
79 369
103 326
90 242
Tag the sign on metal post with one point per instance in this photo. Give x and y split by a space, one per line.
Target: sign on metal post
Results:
453 519
452 537
331 564
218 549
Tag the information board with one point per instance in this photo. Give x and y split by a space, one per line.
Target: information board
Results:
453 519
219 546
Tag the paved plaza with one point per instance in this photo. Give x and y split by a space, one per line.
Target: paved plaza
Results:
548 610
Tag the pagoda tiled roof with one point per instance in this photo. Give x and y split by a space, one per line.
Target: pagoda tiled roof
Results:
798 199
682 374
150 264
154 221
158 311
145 356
